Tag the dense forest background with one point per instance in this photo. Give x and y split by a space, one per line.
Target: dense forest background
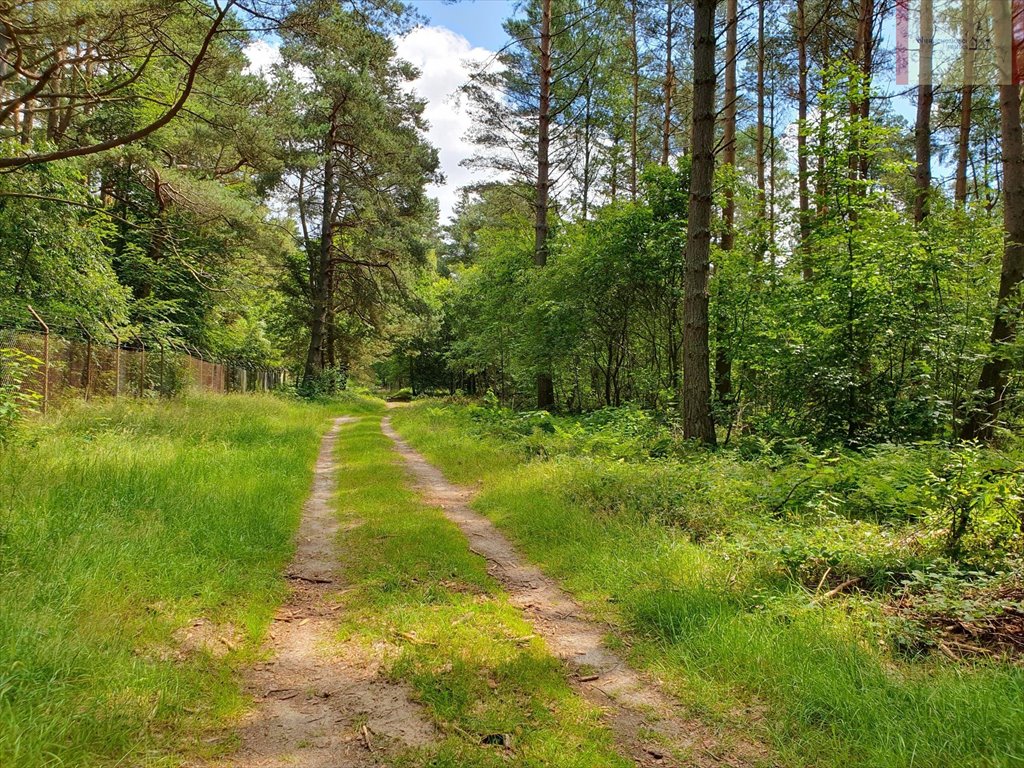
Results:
727 338
702 208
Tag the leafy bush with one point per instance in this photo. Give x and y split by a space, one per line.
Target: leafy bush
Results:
404 395
324 383
976 502
836 550
15 367
881 484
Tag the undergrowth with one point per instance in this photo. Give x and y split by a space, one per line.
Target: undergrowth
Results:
822 598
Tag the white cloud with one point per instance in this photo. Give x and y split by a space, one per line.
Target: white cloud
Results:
262 57
445 60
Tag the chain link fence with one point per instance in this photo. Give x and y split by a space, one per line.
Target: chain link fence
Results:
83 366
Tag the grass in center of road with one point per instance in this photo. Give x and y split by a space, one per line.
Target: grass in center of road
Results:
423 600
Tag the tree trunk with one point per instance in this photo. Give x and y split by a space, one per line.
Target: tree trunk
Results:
801 142
864 54
588 129
923 129
820 203
729 123
635 118
666 127
759 136
697 419
321 266
992 385
545 386
540 225
963 144
723 360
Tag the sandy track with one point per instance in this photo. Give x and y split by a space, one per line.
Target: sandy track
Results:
319 705
647 723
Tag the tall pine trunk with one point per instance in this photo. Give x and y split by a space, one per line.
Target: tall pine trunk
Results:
321 266
759 135
545 386
801 142
668 87
994 379
863 54
635 116
723 360
923 127
963 144
698 423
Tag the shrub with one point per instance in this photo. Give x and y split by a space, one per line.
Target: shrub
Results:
324 383
976 502
15 367
404 395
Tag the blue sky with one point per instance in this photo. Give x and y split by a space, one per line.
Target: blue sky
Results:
456 40
479 21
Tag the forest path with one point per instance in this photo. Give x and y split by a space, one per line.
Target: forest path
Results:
321 704
648 725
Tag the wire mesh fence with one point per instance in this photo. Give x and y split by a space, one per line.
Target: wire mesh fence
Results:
55 366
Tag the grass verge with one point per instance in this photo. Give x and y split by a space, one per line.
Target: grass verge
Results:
736 643
141 550
420 598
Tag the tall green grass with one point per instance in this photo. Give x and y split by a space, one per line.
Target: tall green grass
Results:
739 645
120 524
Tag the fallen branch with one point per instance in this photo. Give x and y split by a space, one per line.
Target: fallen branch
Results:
947 652
309 579
835 591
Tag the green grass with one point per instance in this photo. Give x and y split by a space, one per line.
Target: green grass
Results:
119 525
417 594
740 646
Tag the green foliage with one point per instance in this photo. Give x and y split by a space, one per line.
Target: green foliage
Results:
871 331
15 402
324 384
818 518
404 395
57 256
977 497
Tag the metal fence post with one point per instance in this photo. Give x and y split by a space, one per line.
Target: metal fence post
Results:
46 358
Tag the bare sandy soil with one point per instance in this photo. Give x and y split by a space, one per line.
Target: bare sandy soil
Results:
320 704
